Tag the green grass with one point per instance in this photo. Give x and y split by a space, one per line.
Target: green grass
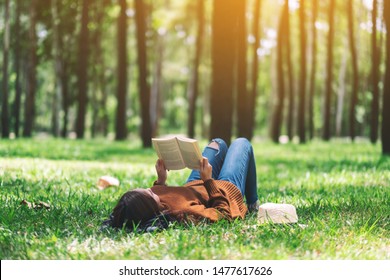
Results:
341 191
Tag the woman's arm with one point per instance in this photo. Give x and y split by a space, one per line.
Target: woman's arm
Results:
206 170
162 173
217 199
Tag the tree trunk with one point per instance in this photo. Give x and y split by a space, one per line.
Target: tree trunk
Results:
4 107
193 90
242 99
29 112
99 106
144 88
222 57
58 69
96 57
312 88
104 117
291 95
375 50
156 96
278 111
302 80
329 77
83 71
121 128
18 87
65 100
341 95
64 54
255 67
386 91
355 81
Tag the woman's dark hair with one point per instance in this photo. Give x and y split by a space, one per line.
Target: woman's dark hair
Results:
133 209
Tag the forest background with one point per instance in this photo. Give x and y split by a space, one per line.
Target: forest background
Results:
289 70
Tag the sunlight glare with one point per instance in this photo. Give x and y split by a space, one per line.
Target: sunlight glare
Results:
322 26
293 5
162 31
368 4
251 39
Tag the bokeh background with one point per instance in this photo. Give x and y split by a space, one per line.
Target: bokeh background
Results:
285 70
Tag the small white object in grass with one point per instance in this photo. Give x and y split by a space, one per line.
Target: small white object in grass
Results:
107 181
277 213
283 139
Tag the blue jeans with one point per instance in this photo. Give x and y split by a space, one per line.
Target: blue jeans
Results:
235 164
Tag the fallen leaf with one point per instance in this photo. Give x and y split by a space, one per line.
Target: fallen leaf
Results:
42 204
39 205
107 181
25 202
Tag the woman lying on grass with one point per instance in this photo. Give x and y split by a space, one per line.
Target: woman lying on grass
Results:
214 192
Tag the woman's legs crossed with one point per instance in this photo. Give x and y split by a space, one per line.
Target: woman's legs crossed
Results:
215 156
239 168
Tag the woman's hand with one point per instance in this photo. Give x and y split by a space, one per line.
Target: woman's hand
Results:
161 172
206 170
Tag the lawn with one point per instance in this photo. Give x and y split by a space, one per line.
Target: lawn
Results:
341 191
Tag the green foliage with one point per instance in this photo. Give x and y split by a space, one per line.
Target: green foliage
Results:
341 192
172 26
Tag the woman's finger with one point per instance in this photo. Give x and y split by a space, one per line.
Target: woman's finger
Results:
205 162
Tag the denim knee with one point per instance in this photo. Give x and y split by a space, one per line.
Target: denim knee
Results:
222 145
242 141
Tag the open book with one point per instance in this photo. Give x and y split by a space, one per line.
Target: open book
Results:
178 152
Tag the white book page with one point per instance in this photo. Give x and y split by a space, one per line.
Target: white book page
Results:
168 150
190 152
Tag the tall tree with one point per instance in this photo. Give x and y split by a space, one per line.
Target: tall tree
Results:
221 105
355 79
341 93
83 70
144 88
4 107
98 69
242 99
312 86
374 76
29 112
57 68
121 128
65 98
255 68
329 69
157 94
302 80
68 51
278 110
193 90
386 91
291 81
17 62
